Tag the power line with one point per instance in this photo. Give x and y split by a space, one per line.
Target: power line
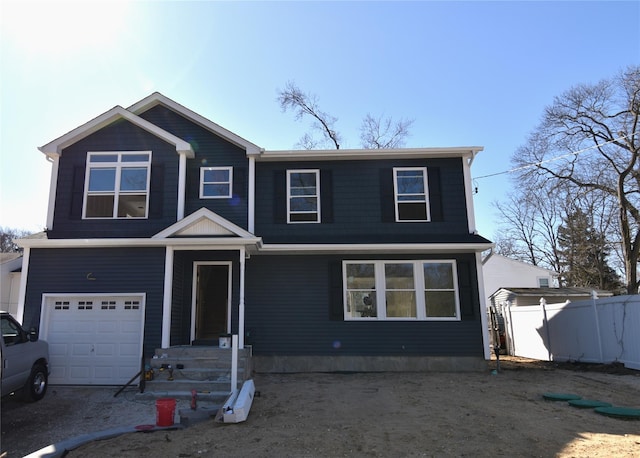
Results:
557 158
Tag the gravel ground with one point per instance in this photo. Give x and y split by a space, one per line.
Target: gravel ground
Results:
68 411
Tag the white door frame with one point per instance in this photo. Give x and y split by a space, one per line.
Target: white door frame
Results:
194 290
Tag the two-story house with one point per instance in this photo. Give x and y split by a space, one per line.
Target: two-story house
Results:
165 229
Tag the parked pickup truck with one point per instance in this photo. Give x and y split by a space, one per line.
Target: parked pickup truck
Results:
25 360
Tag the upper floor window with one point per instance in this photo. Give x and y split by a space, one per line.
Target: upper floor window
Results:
401 290
410 190
117 185
216 182
303 196
543 282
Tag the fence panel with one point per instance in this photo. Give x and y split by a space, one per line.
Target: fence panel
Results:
598 331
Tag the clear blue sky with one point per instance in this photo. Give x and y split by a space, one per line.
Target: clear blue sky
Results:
468 73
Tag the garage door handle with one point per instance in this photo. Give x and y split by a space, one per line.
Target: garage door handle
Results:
93 349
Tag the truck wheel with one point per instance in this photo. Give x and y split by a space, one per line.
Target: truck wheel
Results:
36 386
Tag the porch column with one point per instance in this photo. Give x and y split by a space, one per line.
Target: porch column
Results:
241 307
166 301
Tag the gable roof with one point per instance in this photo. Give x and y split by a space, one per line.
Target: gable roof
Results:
55 147
204 222
158 99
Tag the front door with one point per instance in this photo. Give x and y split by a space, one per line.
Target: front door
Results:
212 285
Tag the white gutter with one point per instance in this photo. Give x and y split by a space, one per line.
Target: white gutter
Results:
373 247
225 243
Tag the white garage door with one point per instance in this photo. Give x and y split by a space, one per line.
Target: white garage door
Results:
94 340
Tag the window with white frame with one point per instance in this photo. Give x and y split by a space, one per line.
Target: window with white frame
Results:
411 197
117 184
216 182
543 282
401 290
303 196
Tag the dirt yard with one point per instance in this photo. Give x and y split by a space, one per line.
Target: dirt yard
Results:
418 414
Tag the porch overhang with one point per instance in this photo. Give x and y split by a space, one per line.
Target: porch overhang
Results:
436 248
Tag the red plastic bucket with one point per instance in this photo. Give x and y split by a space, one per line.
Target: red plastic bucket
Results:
165 410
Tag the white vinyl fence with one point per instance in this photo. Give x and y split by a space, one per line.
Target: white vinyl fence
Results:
595 331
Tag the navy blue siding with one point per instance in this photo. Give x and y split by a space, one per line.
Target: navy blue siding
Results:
116 270
210 151
119 136
360 203
289 312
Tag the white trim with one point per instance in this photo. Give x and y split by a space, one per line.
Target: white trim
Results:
368 154
158 99
468 193
53 187
418 289
241 309
166 297
118 165
483 307
26 254
203 213
318 219
204 169
425 185
56 146
251 198
194 291
376 248
182 185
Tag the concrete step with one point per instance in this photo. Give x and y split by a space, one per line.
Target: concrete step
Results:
196 374
188 351
194 363
201 386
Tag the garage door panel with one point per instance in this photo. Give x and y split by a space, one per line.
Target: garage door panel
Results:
94 340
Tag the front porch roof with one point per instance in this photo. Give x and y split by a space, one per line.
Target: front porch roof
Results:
205 224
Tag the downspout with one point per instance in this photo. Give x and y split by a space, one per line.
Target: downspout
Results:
483 308
182 184
26 253
251 198
55 162
166 300
241 306
469 192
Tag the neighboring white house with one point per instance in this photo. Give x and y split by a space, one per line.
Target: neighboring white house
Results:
501 272
10 271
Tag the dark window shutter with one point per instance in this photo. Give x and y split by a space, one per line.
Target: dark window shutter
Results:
240 182
156 188
435 193
326 196
193 183
336 308
280 196
387 201
77 192
465 289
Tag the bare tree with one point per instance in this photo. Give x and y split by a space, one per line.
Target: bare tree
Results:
292 98
379 133
375 132
7 237
588 141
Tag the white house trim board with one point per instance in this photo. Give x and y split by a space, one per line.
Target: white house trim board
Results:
158 99
376 248
53 187
368 154
56 146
